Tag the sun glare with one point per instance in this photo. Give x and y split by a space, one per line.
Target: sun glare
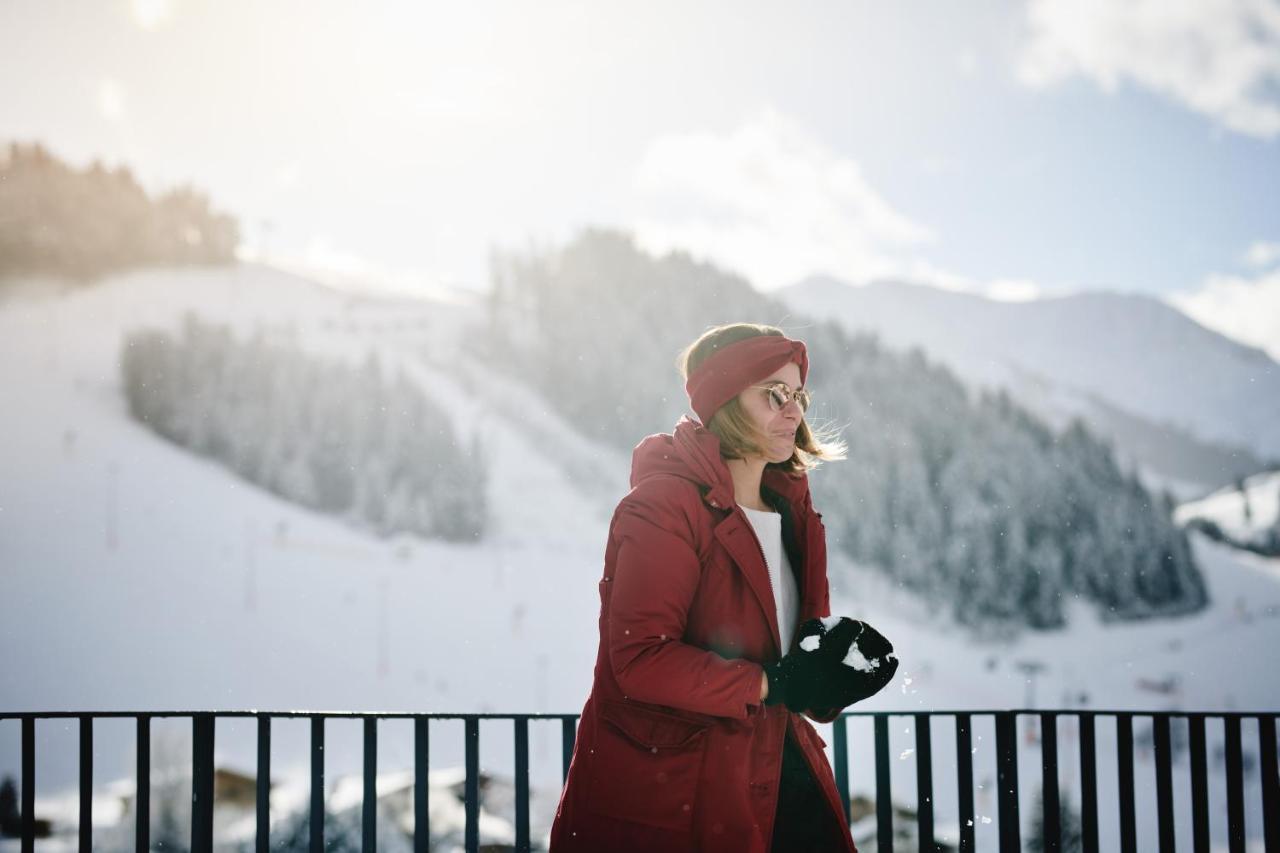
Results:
150 14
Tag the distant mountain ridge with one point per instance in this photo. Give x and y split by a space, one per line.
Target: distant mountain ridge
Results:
1130 365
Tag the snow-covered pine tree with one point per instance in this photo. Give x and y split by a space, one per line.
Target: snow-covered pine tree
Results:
330 436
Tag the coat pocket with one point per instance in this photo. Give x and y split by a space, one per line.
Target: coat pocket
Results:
647 765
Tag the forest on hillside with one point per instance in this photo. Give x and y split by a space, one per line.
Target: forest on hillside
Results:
350 441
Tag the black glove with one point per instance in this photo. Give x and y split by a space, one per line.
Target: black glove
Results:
832 668
861 649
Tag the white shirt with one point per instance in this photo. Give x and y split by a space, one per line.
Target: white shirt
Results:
768 528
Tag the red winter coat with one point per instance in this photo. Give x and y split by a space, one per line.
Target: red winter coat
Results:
675 751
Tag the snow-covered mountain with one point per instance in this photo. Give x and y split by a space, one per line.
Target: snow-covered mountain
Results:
1195 408
138 576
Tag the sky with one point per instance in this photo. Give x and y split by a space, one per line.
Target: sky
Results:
1017 150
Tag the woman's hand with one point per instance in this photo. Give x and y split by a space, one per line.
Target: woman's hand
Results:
832 668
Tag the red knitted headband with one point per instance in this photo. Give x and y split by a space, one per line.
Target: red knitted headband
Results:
731 368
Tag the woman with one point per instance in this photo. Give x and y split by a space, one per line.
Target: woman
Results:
691 737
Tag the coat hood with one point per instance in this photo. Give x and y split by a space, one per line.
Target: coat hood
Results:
692 451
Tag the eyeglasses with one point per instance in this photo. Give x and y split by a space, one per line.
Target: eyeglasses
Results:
780 394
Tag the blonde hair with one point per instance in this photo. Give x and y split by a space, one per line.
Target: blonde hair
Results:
738 435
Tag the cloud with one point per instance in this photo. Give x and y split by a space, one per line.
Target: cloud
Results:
1244 308
771 201
1262 254
1220 58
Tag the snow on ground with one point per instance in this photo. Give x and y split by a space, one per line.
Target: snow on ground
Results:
1245 514
139 577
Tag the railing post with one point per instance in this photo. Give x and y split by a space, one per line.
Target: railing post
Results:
1235 785
924 783
263 839
840 751
369 803
1007 781
964 780
1088 784
1199 786
317 785
86 783
142 820
472 784
1270 783
884 789
522 784
28 784
1124 770
421 764
202 726
1164 782
1051 819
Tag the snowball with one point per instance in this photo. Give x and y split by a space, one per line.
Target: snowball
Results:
858 661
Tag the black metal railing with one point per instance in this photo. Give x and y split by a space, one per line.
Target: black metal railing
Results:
1009 826
1005 722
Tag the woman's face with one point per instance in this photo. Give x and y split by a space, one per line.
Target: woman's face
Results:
777 429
